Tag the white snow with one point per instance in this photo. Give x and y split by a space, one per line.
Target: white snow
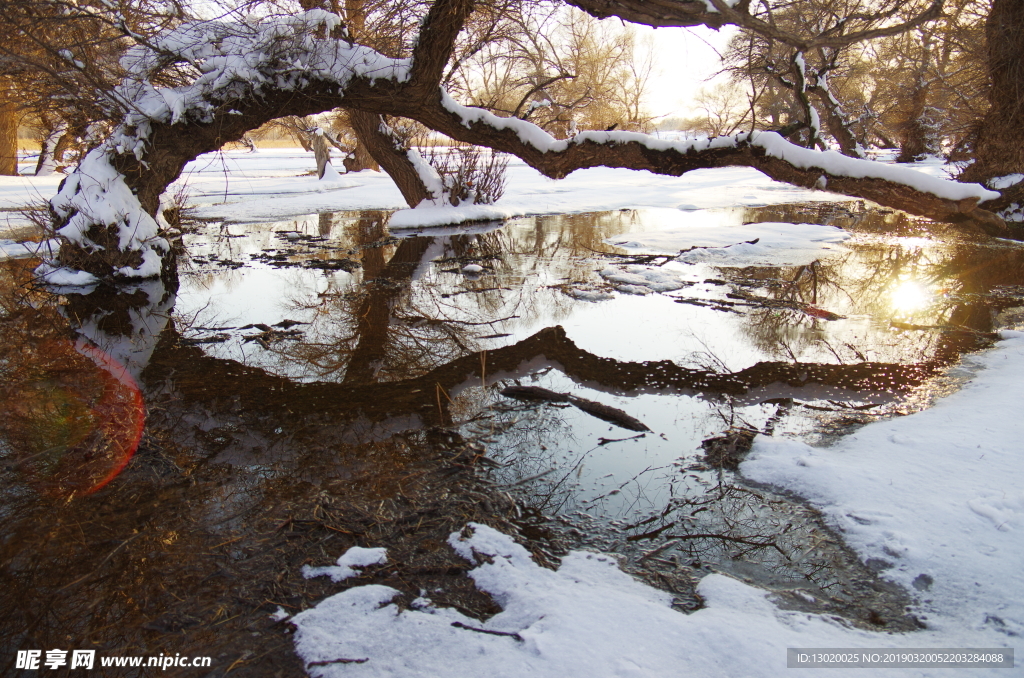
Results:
9 249
936 495
239 186
939 493
999 183
357 556
588 295
725 238
627 278
64 277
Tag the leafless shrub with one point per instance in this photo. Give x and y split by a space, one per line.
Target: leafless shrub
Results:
470 174
177 212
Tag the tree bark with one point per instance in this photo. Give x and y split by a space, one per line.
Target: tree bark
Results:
999 151
384 149
916 134
8 131
917 137
361 158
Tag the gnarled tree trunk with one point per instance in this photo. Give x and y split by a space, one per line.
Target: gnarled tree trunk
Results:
107 210
999 151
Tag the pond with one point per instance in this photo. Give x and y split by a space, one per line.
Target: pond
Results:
174 456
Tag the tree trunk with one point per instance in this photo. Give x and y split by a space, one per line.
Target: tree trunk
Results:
8 132
917 137
49 148
917 133
999 151
322 153
395 161
361 158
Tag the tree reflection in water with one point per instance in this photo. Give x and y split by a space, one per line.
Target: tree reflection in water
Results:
383 424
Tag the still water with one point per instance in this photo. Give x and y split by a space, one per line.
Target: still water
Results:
174 455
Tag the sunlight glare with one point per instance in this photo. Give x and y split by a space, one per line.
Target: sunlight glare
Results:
910 296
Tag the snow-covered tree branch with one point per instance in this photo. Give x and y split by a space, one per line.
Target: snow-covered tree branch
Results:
230 77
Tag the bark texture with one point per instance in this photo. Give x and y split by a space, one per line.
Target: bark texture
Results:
999 151
8 132
384 149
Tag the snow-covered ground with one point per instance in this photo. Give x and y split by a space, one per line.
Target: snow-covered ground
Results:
271 183
934 500
275 183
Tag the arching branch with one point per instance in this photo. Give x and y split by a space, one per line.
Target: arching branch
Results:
107 210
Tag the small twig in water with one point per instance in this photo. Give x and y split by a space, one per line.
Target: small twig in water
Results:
605 441
526 480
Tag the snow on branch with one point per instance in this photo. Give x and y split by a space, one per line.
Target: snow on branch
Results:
191 89
899 187
223 66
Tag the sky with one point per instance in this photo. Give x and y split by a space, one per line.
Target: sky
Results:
685 59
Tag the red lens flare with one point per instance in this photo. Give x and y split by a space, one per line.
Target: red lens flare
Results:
76 422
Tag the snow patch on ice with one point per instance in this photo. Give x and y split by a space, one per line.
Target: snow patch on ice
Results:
434 215
720 241
64 277
647 279
10 249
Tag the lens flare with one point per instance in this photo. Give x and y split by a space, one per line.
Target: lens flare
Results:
77 422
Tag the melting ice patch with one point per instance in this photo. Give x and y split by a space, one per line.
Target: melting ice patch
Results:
719 239
640 279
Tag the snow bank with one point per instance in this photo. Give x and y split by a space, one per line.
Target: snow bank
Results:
936 498
587 618
238 186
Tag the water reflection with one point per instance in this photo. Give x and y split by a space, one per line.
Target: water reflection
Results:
324 382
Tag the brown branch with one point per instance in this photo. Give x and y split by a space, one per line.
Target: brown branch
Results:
740 16
664 13
460 625
656 13
637 156
436 41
